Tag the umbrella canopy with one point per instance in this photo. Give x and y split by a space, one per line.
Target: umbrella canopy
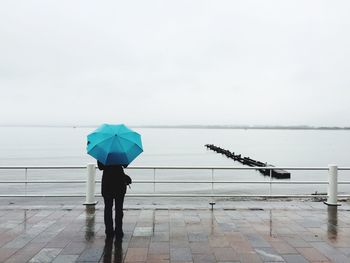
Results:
114 144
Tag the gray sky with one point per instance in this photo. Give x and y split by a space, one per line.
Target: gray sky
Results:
175 62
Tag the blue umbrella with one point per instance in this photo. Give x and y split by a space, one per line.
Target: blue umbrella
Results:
114 144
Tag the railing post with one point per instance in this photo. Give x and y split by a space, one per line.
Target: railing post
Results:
270 188
26 183
332 197
212 202
90 184
154 180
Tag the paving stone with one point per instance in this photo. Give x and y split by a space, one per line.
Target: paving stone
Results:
161 227
296 241
330 252
128 226
309 223
282 247
204 258
159 248
18 258
5 253
250 258
136 254
158 258
143 232
179 243
91 254
74 248
225 254
295 259
200 248
45 255
31 248
242 247
180 254
269 254
312 254
227 227
257 241
66 259
345 250
139 242
219 241
56 243
19 242
160 236
310 237
192 237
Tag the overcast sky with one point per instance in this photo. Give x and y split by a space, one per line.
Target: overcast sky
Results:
175 62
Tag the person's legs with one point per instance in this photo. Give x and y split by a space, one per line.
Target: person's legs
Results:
108 218
119 201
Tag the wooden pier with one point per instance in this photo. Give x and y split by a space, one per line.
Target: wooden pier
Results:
276 173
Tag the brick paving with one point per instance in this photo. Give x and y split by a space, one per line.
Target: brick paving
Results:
235 231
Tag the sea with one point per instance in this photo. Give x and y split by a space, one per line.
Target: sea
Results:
66 146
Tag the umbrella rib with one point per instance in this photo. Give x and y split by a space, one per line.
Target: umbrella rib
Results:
127 139
105 139
121 146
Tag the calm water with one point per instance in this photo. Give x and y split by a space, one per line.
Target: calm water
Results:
178 147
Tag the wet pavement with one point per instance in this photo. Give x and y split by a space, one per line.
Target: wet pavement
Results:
63 230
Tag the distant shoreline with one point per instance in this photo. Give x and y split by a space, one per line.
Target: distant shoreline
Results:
243 127
233 127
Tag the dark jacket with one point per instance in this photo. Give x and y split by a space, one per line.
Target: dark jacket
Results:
113 180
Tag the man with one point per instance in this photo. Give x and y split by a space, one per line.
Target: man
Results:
113 189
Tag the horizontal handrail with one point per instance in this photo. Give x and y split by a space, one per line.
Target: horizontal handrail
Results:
182 167
184 195
175 182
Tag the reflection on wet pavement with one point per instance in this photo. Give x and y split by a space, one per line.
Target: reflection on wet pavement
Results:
332 226
113 251
90 223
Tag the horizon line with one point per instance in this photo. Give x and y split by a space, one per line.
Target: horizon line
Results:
190 126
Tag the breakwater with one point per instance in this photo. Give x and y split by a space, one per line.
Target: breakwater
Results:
276 173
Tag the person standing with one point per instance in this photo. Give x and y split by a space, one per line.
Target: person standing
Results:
113 189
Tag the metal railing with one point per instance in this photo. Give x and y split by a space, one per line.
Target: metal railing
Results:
90 181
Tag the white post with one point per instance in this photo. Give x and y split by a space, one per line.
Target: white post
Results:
212 202
90 184
332 185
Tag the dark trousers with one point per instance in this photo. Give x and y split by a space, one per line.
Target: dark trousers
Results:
108 214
